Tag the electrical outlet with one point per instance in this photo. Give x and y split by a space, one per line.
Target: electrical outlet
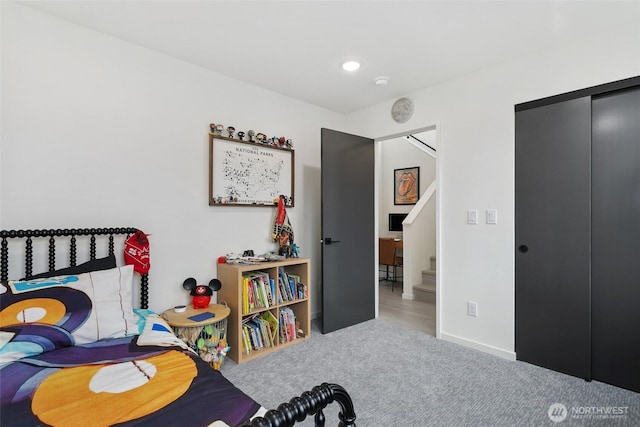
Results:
472 308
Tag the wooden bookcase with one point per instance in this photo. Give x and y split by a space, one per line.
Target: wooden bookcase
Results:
232 278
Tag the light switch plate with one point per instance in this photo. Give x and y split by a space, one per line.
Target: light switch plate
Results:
492 216
472 217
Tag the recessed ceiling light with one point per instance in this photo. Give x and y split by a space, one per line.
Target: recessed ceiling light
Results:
381 80
351 65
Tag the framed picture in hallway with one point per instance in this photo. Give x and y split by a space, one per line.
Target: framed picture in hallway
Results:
406 186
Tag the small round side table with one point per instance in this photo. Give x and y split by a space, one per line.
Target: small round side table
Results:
207 336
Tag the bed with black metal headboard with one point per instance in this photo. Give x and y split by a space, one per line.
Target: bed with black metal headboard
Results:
74 350
72 235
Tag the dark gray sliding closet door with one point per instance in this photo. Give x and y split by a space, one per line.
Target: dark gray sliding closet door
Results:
553 175
616 239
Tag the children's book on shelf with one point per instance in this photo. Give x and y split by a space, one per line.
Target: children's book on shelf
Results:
272 322
287 325
290 286
256 292
302 291
261 327
259 330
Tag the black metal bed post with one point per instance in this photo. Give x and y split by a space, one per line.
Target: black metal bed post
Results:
92 246
4 260
347 413
144 291
52 254
28 257
309 403
73 251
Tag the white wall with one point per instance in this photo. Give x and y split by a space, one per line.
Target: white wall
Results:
98 132
475 114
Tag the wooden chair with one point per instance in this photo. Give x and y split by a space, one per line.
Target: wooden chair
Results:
390 255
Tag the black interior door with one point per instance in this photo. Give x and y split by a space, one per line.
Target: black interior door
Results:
616 239
348 230
553 163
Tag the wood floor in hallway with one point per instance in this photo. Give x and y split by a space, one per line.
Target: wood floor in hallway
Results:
414 314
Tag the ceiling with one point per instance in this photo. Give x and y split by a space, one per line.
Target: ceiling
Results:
296 48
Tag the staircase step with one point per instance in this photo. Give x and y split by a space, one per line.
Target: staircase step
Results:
425 293
429 277
425 287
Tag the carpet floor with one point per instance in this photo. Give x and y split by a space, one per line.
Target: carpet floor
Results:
402 377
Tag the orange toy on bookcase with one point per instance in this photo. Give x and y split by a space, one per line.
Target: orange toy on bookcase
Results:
270 306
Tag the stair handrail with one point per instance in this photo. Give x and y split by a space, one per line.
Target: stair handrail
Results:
421 145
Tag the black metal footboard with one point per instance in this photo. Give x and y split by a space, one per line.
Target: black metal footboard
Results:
29 235
310 403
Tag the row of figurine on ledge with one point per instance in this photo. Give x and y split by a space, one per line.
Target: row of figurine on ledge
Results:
280 142
230 200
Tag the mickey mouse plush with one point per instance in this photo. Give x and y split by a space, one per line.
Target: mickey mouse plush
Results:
201 293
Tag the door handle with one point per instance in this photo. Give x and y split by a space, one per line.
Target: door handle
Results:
329 241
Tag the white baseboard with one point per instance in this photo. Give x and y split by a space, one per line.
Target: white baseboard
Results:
408 296
509 355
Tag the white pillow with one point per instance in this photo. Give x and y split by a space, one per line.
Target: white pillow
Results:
107 313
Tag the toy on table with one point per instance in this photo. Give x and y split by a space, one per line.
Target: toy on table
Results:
201 293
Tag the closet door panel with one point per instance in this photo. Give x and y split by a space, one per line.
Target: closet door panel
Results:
553 163
616 239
